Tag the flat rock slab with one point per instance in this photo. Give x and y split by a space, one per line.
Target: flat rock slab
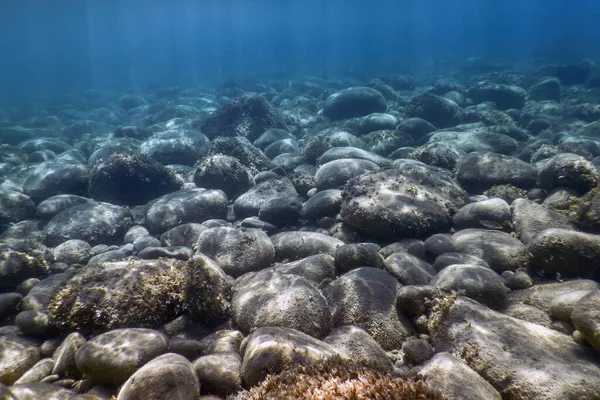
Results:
520 359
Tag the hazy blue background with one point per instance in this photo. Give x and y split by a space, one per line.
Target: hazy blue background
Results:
54 46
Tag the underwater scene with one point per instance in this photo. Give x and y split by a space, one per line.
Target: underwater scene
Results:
317 200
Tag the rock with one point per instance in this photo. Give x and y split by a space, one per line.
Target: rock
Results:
469 141
54 177
412 300
114 356
384 142
248 115
376 122
271 136
64 357
92 222
224 341
476 282
530 218
568 170
354 102
14 207
439 111
42 391
34 323
120 253
348 152
416 351
439 154
327 139
169 376
39 296
359 346
184 206
130 179
72 251
456 381
504 96
183 147
562 305
219 373
439 244
366 297
144 241
52 206
175 252
240 148
15 267
491 214
529 313
295 245
268 351
548 89
141 293
480 171
316 268
334 174
230 248
37 373
352 256
585 318
17 355
567 252
408 269
412 200
326 203
269 298
9 304
223 172
249 203
286 146
504 350
183 235
500 250
417 128
282 211
444 260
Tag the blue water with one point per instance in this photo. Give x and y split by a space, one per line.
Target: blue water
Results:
53 47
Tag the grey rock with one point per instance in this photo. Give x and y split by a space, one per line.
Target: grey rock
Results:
269 298
183 235
39 371
249 203
412 200
450 375
9 304
354 102
296 245
17 356
34 323
446 259
500 250
366 297
568 170
530 218
169 376
237 251
326 203
72 251
225 173
315 268
481 170
92 222
114 356
585 318
408 269
335 174
359 346
510 349
184 206
268 351
177 252
491 214
54 177
219 373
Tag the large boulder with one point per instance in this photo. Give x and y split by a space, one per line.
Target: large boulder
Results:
55 177
504 96
248 115
439 111
366 297
411 200
92 222
354 102
269 298
130 179
505 350
141 294
237 251
184 206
